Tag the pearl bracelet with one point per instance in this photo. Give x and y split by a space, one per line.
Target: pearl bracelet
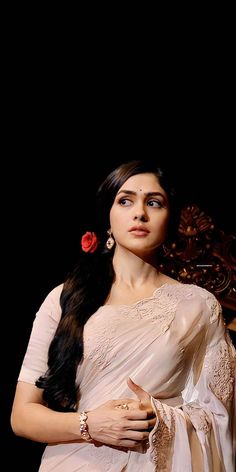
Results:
84 427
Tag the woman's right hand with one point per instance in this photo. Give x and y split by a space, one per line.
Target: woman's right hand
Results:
122 423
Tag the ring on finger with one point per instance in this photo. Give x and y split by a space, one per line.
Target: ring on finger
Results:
124 406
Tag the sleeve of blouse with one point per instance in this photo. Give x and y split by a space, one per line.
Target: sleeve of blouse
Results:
44 327
199 435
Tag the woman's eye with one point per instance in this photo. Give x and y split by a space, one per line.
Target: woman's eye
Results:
124 202
154 203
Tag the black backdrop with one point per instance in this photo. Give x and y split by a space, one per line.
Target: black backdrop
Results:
51 205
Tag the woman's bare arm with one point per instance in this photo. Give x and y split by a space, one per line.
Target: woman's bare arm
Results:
107 424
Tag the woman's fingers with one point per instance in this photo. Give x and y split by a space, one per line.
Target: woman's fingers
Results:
134 405
125 403
135 435
138 413
140 425
123 423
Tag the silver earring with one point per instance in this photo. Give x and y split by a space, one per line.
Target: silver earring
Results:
110 242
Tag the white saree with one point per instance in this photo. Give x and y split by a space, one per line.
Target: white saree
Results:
175 346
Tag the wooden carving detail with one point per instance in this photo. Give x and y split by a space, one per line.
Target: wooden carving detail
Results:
204 255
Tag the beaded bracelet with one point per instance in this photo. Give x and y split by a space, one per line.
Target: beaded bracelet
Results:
84 427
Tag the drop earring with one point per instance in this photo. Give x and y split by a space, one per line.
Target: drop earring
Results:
110 242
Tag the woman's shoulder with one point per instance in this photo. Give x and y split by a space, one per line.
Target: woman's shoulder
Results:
188 289
199 298
201 293
51 302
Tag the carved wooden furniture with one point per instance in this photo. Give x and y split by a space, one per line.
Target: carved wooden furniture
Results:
203 254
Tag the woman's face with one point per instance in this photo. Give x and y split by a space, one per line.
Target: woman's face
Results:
140 213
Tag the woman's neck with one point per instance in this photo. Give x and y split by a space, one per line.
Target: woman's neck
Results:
132 271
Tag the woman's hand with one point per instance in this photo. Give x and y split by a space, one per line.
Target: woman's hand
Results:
123 423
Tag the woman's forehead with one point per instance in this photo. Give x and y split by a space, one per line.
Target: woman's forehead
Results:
146 183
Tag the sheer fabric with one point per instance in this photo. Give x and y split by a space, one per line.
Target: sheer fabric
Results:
175 346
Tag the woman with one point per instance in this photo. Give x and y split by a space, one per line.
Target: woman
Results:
140 371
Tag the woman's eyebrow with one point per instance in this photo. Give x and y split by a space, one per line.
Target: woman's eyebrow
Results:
147 194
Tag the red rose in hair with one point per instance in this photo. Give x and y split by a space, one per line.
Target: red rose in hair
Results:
89 242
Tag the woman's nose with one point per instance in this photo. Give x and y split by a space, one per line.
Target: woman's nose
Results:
140 215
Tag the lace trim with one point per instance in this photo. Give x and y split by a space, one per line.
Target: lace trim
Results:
99 348
212 303
198 418
162 438
159 309
221 367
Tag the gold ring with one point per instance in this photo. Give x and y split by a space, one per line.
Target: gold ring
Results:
124 406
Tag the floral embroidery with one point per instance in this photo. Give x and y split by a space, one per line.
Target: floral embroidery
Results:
198 418
221 366
162 437
212 303
98 348
160 309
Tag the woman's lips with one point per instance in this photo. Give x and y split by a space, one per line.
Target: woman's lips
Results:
139 231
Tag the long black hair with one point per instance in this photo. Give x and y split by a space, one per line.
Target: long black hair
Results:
87 288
